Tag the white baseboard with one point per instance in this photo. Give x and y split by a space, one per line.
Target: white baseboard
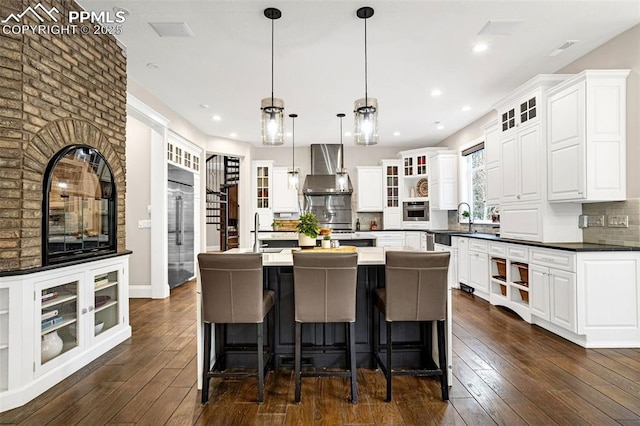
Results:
140 292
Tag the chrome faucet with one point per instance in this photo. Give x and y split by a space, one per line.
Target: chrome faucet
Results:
256 226
469 210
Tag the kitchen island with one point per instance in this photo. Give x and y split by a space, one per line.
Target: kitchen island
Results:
324 343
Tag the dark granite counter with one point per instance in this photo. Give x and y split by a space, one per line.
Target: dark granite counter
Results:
577 247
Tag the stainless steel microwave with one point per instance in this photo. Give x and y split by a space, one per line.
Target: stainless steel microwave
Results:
415 211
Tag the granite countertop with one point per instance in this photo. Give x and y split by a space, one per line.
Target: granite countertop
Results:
577 246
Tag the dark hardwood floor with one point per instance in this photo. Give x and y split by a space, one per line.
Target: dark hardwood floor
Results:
505 371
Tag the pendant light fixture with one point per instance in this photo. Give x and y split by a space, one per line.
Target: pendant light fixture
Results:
342 176
272 108
293 175
366 109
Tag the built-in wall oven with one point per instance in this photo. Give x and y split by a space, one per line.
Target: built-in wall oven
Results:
417 211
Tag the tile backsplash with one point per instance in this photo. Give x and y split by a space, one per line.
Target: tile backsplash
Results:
484 228
619 236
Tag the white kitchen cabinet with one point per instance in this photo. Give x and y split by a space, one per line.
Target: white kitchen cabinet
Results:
391 190
443 182
413 239
563 298
587 137
389 239
261 188
284 200
369 198
539 291
463 259
414 163
479 267
62 319
522 165
525 211
492 155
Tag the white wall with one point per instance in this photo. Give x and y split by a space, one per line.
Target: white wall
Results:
138 198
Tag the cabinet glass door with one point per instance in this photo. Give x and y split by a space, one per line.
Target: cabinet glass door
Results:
105 303
262 187
58 316
408 166
392 183
421 166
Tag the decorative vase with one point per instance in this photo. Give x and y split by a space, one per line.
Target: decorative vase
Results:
51 346
326 243
306 241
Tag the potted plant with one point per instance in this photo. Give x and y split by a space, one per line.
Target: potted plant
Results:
308 229
326 241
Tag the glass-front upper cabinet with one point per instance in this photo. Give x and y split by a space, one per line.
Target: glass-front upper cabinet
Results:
80 197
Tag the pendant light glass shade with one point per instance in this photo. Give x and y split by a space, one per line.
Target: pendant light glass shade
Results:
293 175
366 109
342 175
366 121
272 108
272 121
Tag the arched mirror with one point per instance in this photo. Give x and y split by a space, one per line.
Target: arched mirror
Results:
79 206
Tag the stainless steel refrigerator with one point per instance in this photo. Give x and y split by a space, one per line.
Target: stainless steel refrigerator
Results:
181 249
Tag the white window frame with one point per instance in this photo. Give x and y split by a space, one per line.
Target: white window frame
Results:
465 184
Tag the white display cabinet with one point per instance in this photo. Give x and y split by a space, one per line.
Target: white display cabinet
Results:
55 321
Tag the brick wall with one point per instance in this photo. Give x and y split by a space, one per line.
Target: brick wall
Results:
55 90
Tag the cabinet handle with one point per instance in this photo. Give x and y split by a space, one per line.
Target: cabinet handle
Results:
548 259
84 310
518 197
90 308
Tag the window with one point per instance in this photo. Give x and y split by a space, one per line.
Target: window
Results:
476 182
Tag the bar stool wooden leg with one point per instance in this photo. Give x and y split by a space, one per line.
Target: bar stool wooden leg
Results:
260 350
297 361
206 364
352 361
442 359
388 361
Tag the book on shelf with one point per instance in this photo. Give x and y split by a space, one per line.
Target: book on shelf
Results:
49 296
51 322
102 281
49 314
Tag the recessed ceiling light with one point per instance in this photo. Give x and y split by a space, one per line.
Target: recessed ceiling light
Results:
216 118
439 125
396 133
466 108
480 47
233 135
153 66
204 106
436 92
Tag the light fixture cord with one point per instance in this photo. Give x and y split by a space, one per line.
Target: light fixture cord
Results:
341 148
272 44
293 141
366 102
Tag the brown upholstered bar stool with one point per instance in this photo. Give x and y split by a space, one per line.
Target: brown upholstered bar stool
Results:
232 293
324 292
415 290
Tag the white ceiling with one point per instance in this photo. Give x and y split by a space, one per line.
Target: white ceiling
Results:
413 47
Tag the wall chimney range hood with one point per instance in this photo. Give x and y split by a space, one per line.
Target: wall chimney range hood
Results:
325 161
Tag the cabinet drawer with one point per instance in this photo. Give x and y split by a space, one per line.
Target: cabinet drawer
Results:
518 253
553 258
477 245
497 249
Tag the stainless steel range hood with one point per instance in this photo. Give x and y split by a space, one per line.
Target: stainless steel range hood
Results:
325 161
